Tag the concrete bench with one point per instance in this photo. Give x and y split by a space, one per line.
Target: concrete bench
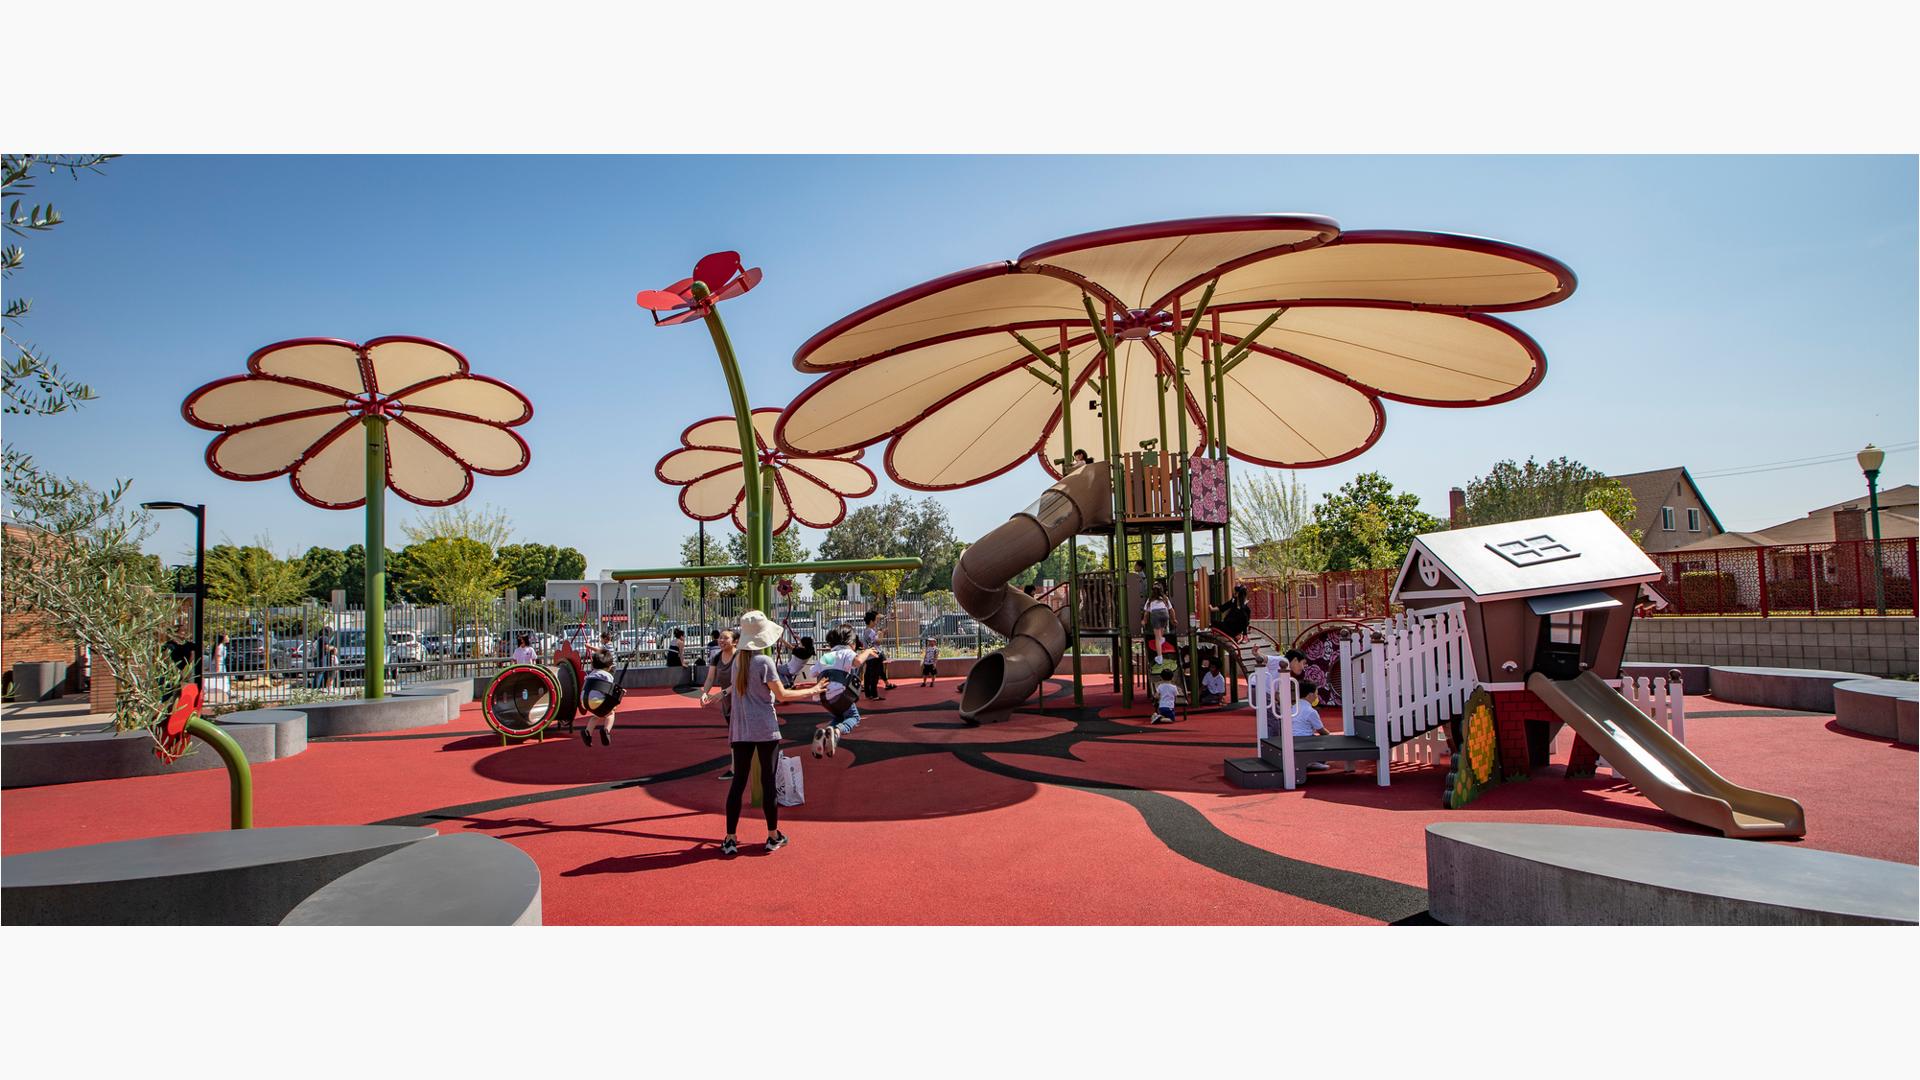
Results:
460 880
1486 874
289 727
1883 707
241 877
449 697
1805 689
37 758
358 716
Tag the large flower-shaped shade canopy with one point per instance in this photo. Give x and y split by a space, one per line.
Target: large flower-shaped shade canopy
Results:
1363 316
299 411
811 489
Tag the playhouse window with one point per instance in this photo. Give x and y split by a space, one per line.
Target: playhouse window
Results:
1563 628
1666 518
1693 519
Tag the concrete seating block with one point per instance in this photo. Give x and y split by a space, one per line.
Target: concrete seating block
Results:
289 727
241 877
36 758
1805 689
1875 707
357 716
448 697
1488 874
460 880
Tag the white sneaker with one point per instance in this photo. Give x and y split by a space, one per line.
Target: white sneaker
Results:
833 740
819 740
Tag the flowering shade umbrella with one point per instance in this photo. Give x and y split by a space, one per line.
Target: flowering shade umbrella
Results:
1330 324
345 422
712 480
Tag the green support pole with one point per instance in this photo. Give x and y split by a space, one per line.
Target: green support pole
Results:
1226 463
1186 489
762 592
1073 542
1116 562
757 555
374 654
239 773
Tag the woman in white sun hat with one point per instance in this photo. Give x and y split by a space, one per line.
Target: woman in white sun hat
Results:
752 725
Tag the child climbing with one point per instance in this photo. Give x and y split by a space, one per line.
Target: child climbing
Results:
1166 695
1305 720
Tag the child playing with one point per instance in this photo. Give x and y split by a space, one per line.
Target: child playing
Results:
838 666
1166 693
1305 720
1213 685
799 666
599 696
930 663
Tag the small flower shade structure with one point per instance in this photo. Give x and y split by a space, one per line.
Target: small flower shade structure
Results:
712 481
345 422
1303 331
741 472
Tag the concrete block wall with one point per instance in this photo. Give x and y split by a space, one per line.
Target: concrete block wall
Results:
1885 647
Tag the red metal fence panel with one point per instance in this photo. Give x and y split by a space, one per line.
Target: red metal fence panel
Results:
1833 578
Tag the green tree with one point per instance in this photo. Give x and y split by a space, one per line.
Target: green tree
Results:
1274 520
254 577
34 384
1516 492
354 578
898 526
448 570
326 570
940 601
1366 525
528 567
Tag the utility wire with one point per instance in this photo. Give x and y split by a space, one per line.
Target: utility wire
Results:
1796 463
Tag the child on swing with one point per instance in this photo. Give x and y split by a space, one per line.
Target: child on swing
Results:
600 695
839 668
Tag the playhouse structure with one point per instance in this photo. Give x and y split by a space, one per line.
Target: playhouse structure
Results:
1508 634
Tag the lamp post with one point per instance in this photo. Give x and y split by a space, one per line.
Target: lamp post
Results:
199 512
1870 460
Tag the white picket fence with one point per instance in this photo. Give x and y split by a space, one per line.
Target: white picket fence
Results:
1410 674
1665 703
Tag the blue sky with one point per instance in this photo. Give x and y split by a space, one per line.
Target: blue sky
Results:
1732 311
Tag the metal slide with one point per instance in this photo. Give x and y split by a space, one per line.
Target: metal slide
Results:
1661 766
1036 639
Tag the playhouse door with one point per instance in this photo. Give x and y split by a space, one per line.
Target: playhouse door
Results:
1558 653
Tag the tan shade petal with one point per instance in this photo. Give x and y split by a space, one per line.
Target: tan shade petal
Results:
480 446
1141 270
779 516
1282 414
420 472
846 478
1421 355
270 449
981 433
400 364
865 404
326 363
475 396
985 297
719 433
335 475
1140 415
1439 272
813 504
245 401
713 496
687 465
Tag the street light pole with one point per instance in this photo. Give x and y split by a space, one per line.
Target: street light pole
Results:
1870 460
199 512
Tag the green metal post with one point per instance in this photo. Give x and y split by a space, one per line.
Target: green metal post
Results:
1226 463
1117 563
757 555
1186 489
761 592
374 652
239 774
1873 502
1073 542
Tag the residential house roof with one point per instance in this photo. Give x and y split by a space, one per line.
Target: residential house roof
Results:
1650 490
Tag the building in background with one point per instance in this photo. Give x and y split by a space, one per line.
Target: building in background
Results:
1845 520
1670 510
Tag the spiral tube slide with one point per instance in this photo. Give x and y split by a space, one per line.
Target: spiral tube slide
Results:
1036 639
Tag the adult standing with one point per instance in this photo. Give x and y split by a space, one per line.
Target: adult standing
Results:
720 677
753 725
677 648
322 658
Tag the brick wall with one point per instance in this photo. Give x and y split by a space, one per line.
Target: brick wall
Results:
1871 646
27 639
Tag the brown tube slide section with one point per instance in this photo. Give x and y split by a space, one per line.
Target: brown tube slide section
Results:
1662 767
1036 640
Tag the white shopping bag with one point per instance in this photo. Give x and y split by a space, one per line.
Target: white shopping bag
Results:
789 786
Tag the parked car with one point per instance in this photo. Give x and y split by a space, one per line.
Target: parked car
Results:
403 649
471 642
437 644
246 654
290 651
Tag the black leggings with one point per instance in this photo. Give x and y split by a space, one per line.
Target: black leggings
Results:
743 755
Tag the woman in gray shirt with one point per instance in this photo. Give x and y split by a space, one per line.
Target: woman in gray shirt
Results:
753 727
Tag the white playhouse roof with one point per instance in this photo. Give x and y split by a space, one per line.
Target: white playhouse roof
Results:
1536 557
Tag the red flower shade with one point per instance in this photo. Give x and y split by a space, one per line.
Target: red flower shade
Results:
720 272
299 408
810 489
